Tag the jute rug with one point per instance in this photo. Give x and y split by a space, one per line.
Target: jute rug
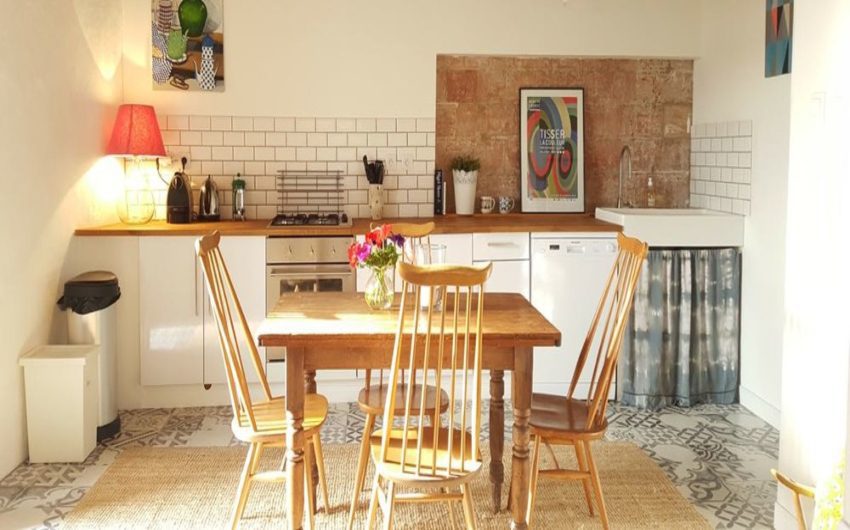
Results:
195 488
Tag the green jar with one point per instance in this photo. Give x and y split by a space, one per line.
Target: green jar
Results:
193 17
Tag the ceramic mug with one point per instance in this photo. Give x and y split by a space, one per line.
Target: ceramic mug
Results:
506 204
487 204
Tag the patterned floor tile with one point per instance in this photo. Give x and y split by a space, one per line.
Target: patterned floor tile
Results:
718 457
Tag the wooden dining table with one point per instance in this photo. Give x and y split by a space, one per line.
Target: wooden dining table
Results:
332 331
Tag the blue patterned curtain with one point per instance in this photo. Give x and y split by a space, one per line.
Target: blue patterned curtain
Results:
682 343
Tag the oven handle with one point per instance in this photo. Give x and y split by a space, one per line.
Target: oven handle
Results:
281 273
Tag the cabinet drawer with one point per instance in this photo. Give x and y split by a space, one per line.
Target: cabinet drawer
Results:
500 246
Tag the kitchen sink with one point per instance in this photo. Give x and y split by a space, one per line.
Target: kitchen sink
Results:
679 227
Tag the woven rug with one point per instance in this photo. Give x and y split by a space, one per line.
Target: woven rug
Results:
195 488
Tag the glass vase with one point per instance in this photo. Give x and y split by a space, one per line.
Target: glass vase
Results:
380 288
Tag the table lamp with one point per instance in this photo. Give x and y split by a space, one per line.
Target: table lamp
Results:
136 136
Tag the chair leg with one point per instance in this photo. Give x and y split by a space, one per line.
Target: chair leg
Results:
308 479
362 464
597 485
245 483
535 472
373 503
468 510
323 479
388 513
450 508
582 466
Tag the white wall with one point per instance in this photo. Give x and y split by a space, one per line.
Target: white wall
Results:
377 58
60 81
817 335
729 84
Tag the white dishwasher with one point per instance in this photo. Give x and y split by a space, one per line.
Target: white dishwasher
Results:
568 274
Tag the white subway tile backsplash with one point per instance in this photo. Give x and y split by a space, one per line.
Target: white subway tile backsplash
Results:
259 147
255 138
243 123
305 124
385 125
199 123
325 124
263 124
366 125
284 124
721 154
275 139
337 139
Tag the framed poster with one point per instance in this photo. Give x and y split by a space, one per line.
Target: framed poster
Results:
187 45
552 149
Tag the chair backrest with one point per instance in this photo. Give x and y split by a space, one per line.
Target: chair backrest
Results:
605 336
415 234
446 347
233 331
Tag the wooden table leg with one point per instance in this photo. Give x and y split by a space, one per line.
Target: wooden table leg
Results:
497 436
521 463
310 388
295 438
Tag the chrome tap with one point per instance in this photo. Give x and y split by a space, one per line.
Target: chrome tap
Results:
625 171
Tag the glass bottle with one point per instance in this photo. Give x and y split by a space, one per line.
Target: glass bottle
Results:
650 193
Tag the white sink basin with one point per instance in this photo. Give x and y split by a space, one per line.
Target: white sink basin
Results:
686 227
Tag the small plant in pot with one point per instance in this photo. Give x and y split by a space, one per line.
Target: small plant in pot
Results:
465 180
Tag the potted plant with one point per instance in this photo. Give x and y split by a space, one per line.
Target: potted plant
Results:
465 179
379 253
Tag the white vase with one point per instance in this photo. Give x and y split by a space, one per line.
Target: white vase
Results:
376 201
465 183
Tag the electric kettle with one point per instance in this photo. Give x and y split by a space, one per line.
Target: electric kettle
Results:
209 206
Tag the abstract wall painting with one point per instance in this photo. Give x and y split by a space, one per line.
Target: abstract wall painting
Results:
187 51
779 32
552 149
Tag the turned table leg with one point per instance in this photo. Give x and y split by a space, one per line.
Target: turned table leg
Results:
295 438
310 388
497 436
521 464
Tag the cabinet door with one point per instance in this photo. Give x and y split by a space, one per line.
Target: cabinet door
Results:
170 311
509 277
245 257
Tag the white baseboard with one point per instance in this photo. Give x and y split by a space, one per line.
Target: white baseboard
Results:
761 408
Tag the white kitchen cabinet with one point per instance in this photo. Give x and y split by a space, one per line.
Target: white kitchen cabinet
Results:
509 253
179 343
508 277
171 312
245 257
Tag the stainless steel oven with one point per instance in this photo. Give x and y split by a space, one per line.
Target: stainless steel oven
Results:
305 264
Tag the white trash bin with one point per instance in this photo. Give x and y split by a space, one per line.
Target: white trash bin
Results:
90 298
60 383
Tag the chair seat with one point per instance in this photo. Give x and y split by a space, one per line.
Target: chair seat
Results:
271 418
373 398
391 468
555 416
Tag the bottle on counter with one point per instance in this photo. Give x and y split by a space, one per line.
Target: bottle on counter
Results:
238 198
650 193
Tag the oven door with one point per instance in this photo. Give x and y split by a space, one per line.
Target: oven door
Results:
282 280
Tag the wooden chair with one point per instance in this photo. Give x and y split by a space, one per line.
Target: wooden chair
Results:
373 396
259 422
799 491
568 420
437 458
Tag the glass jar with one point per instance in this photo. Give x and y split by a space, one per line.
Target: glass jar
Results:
238 198
380 288
433 254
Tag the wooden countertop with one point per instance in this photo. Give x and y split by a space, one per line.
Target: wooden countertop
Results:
446 224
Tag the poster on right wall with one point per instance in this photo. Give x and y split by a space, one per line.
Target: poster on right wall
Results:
779 30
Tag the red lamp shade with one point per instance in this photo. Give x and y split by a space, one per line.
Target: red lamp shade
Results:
136 133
